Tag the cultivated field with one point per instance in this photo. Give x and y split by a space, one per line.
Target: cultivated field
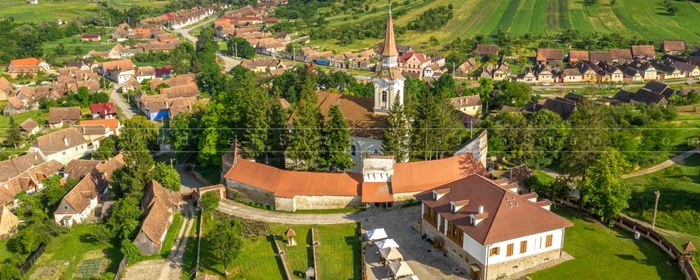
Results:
64 9
646 18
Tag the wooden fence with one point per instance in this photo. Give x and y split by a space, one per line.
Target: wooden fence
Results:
283 258
314 243
32 258
628 224
120 270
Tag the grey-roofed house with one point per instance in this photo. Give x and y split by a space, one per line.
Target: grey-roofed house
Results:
63 145
30 127
59 116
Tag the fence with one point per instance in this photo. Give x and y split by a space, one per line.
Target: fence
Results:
314 243
282 257
199 240
628 224
32 258
120 270
362 252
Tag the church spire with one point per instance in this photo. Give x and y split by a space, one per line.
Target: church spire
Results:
389 44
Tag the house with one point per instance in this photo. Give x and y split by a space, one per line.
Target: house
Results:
643 51
5 88
647 70
564 107
528 77
79 168
673 47
118 71
78 204
122 31
93 134
131 84
262 65
60 116
113 124
623 96
30 127
599 56
103 111
489 229
91 38
8 222
164 72
486 50
17 106
544 74
155 191
145 73
571 75
32 2
153 229
470 105
550 56
588 70
688 70
649 98
413 62
502 72
621 55
576 56
668 71
465 68
613 72
518 175
25 174
27 66
62 146
631 75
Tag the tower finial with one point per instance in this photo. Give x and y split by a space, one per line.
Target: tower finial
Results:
389 6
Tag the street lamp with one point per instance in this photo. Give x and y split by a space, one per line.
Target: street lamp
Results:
656 205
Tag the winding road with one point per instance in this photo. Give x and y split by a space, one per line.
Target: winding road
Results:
185 32
119 101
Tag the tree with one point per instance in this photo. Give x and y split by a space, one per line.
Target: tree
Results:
130 251
240 47
547 134
255 119
587 137
125 217
225 242
13 137
60 50
603 188
136 136
510 128
101 234
278 122
305 139
167 176
437 130
396 139
54 191
78 50
337 141
10 271
209 201
107 149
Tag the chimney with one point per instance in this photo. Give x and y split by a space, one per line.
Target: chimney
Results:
65 140
481 209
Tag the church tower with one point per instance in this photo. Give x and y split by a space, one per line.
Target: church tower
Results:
388 84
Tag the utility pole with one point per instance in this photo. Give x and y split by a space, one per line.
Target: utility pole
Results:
656 205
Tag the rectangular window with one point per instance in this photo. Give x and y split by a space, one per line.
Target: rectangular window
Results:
548 242
523 246
509 250
495 251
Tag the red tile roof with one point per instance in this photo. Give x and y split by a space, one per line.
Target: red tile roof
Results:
113 124
30 61
103 109
424 175
505 215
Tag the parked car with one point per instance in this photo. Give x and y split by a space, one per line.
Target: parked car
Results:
546 84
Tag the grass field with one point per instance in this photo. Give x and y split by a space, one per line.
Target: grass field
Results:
645 18
67 253
602 253
64 9
337 254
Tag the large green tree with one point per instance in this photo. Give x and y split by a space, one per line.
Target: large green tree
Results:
337 141
437 131
588 136
256 120
547 135
107 149
397 138
225 242
167 176
125 217
13 136
305 140
603 188
278 127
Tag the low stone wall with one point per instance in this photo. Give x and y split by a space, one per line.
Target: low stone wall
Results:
516 265
282 257
314 243
401 198
285 204
326 202
249 193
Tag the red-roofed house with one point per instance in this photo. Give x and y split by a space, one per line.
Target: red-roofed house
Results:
103 111
413 62
91 38
27 66
490 230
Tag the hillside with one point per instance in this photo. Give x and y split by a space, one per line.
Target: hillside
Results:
646 18
63 9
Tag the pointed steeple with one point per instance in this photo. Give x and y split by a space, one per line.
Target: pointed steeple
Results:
389 44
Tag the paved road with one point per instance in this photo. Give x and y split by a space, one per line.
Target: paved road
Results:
580 86
185 32
119 101
247 212
188 180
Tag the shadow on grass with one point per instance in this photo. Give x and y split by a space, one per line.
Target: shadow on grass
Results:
278 258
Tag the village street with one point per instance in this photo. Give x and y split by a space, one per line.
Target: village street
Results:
185 32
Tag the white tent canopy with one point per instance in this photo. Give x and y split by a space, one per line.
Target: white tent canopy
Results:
387 243
391 254
400 269
376 234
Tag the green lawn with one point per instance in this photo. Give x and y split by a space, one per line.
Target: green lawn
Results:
337 254
171 235
64 9
72 43
66 252
602 253
189 258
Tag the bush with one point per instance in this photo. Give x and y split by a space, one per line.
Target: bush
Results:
130 251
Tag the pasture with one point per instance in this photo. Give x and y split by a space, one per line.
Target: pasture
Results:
645 18
65 9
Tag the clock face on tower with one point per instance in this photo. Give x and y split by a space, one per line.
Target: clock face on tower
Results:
383 83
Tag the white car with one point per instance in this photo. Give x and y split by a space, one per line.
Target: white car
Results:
546 84
688 82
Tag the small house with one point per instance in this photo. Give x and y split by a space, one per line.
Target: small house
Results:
673 47
60 116
30 127
91 38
